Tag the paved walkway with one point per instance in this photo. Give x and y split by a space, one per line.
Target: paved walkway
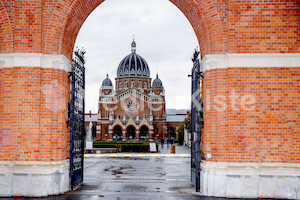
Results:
150 176
138 176
180 151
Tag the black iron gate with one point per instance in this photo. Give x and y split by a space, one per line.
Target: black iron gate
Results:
196 112
76 119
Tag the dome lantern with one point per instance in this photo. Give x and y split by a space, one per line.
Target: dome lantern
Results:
133 46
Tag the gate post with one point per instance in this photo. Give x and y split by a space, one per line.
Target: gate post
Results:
34 149
251 134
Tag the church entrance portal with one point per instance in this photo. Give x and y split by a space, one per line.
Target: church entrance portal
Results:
117 134
144 133
130 133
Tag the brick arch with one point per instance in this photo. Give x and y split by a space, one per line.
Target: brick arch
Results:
144 125
135 128
116 126
208 21
65 23
6 35
69 15
173 127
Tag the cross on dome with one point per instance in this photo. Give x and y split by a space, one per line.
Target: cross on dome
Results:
133 46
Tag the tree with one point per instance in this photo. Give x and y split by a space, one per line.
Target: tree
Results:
181 134
188 123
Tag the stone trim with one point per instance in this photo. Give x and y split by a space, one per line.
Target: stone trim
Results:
38 60
225 61
250 180
35 179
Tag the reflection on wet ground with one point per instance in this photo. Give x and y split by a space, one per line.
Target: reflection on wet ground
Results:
131 178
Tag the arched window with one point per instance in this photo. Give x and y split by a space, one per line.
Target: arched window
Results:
125 84
132 84
145 85
139 84
120 85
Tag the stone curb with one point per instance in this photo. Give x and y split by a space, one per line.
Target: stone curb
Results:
137 155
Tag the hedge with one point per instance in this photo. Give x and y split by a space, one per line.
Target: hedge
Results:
124 146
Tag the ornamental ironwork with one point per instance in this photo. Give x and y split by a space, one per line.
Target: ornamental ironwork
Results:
76 118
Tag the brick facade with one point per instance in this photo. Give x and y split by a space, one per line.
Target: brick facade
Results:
135 108
30 131
33 116
267 133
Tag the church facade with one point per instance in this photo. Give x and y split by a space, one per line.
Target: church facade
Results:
135 108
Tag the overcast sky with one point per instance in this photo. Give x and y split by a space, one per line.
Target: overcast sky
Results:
164 38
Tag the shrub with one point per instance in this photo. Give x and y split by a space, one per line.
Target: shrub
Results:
123 146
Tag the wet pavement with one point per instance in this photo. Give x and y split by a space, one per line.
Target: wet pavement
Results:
134 177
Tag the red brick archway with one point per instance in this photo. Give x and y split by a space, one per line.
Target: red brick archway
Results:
248 48
6 35
68 17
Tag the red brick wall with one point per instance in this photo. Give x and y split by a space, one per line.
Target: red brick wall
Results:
6 35
263 26
269 132
221 26
104 130
208 19
68 16
158 127
144 109
30 131
136 81
33 114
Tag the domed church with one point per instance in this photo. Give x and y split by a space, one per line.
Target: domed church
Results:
135 109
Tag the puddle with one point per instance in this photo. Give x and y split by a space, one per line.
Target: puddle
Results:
135 188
